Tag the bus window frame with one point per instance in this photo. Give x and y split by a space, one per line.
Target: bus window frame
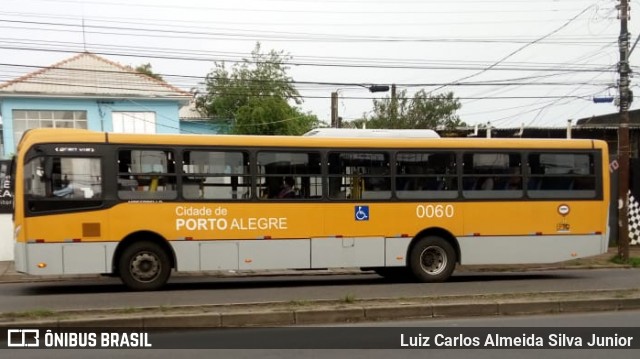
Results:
279 177
65 205
183 175
149 195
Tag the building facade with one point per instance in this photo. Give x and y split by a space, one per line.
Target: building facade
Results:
84 91
88 91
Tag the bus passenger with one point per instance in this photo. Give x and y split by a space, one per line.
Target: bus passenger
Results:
287 190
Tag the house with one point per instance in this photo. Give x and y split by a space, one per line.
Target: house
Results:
194 121
84 91
89 91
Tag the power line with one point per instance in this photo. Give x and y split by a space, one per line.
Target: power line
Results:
134 28
519 49
323 83
288 10
245 35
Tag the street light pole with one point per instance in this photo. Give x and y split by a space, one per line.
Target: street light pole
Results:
335 119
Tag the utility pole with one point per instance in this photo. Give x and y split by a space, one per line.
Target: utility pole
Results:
334 109
623 134
394 105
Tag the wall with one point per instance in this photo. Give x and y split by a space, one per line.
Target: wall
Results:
6 237
98 113
202 127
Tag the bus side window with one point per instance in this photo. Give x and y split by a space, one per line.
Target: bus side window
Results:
289 175
146 174
561 175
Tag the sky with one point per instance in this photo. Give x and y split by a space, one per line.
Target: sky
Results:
509 62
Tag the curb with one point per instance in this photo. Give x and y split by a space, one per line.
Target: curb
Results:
345 313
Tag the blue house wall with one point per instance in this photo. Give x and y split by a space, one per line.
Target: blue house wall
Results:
203 127
99 113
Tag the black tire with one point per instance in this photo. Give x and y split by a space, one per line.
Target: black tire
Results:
432 259
144 266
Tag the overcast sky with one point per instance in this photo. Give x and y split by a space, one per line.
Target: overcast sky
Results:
536 63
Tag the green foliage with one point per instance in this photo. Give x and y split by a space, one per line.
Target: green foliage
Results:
146 70
271 116
632 261
422 111
31 314
256 94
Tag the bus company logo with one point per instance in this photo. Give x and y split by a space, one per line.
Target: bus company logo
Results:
23 338
361 213
564 209
563 226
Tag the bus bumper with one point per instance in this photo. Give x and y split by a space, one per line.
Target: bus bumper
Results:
64 258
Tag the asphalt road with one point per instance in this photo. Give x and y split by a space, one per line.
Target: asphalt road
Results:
109 293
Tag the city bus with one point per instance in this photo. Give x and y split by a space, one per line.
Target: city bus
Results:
142 206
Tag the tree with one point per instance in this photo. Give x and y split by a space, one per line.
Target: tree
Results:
272 116
420 111
146 70
256 94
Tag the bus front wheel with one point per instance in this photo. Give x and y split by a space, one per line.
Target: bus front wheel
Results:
144 266
432 259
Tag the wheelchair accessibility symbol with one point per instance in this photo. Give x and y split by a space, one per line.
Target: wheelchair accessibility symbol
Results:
362 213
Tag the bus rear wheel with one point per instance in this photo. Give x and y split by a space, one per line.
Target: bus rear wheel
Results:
432 259
144 266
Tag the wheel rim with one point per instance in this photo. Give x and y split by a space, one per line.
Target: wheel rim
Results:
433 260
145 267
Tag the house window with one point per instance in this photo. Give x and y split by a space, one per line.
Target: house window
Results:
27 119
134 122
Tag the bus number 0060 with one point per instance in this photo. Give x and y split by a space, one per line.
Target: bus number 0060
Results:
435 211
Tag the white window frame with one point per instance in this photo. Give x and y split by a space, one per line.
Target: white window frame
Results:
133 122
46 118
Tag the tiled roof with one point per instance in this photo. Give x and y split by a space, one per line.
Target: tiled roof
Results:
89 75
190 112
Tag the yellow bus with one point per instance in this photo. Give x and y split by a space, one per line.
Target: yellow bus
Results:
141 206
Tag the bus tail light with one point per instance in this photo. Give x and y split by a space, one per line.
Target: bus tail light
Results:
42 265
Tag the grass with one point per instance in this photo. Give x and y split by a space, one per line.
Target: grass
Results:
31 314
130 310
298 303
349 298
632 261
